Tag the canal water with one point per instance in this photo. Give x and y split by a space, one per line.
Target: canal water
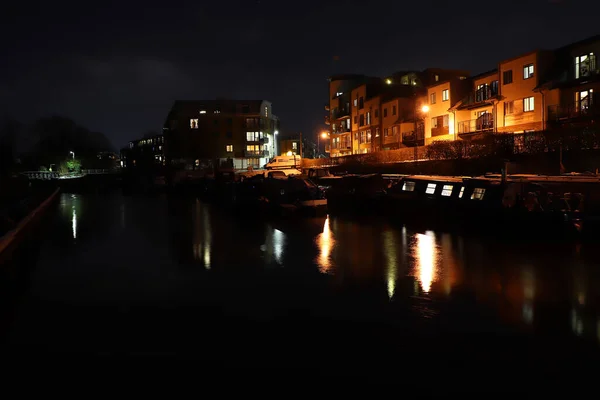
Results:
173 276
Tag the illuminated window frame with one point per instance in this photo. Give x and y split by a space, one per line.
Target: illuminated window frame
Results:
430 188
408 186
478 194
447 190
462 192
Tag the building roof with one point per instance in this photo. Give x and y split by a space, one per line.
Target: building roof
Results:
486 73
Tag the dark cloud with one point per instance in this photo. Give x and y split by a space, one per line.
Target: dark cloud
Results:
116 67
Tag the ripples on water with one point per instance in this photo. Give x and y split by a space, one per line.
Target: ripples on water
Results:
555 285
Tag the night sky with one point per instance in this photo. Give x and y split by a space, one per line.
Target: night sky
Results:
116 67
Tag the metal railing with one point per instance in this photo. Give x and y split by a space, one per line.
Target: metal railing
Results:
256 153
572 111
481 124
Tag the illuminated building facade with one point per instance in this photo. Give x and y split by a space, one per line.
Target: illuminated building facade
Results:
531 92
236 133
146 153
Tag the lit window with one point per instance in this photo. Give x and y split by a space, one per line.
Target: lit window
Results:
295 145
447 190
436 77
252 136
528 71
229 148
430 188
339 94
478 194
462 78
528 104
194 123
202 111
217 111
585 65
408 186
445 95
159 147
434 122
355 102
266 111
462 191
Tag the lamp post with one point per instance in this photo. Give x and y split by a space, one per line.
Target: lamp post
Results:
424 109
323 135
73 154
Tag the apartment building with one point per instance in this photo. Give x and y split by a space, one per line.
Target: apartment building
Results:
535 91
340 110
145 153
572 87
240 133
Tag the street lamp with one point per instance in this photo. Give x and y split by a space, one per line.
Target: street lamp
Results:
323 135
73 154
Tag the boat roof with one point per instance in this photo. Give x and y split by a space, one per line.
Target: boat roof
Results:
437 178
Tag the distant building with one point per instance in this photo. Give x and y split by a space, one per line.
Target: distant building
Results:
239 133
146 153
289 145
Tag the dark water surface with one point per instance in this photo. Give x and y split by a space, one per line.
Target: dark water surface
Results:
161 276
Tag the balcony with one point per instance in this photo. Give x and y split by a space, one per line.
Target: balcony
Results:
256 153
571 112
340 129
340 113
485 123
327 121
327 148
480 97
410 139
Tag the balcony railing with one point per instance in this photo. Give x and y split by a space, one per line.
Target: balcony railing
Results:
340 113
410 139
480 96
557 113
481 124
341 129
256 153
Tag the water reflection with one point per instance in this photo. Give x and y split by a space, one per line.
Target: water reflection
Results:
69 204
202 236
391 257
325 242
528 293
426 257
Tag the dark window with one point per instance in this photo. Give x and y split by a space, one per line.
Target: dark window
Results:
361 103
229 134
355 119
362 120
432 100
393 110
376 113
384 112
494 86
507 77
245 109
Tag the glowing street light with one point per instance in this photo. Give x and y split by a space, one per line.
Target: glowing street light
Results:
425 108
388 81
324 134
73 154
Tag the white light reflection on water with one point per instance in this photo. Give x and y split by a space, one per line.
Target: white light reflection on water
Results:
426 256
325 242
202 240
74 216
528 294
391 257
278 244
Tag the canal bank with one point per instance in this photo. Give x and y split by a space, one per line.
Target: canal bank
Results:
176 278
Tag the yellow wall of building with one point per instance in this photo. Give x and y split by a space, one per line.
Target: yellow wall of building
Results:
516 91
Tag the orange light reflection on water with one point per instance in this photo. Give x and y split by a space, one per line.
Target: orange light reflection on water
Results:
426 256
325 242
